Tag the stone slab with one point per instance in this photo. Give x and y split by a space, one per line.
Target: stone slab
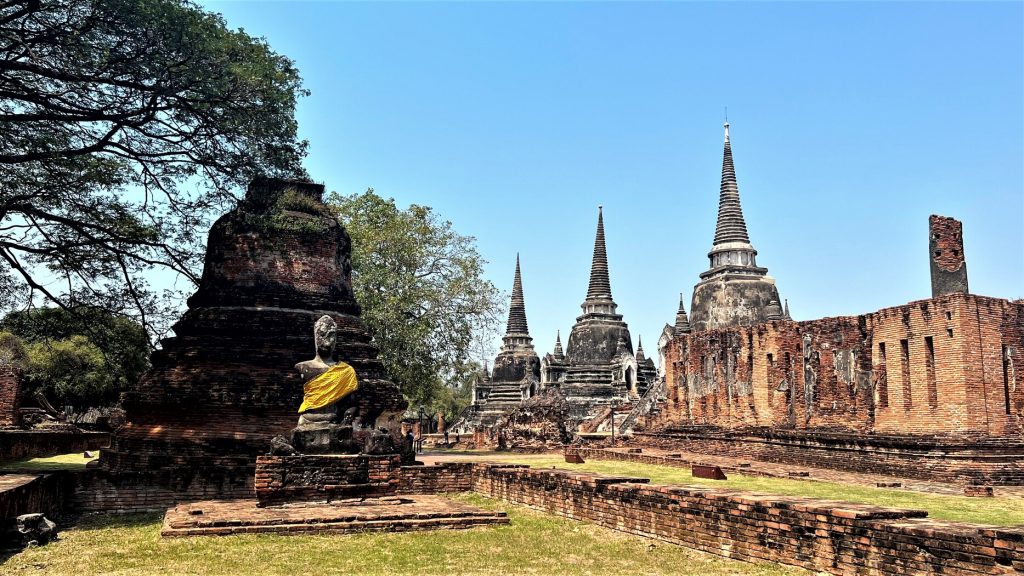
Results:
391 514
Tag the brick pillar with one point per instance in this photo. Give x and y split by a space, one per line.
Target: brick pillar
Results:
10 391
946 254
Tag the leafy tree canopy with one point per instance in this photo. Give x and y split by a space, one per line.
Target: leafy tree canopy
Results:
126 123
421 286
81 357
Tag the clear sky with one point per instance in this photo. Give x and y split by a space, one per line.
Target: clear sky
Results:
851 123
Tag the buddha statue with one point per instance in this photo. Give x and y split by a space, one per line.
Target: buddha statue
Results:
327 381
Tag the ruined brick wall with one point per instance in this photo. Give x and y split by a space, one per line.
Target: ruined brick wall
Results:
30 494
944 365
946 248
834 538
10 392
443 478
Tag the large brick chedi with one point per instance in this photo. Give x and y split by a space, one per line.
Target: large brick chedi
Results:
734 291
226 383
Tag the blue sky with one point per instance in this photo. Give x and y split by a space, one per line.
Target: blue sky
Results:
851 123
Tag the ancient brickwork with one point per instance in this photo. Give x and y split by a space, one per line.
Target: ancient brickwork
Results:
325 477
30 494
444 478
10 392
946 247
226 383
829 537
940 366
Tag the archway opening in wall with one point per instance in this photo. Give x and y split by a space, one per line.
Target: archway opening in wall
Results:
630 381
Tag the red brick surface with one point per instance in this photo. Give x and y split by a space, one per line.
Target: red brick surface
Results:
830 374
326 477
223 517
10 391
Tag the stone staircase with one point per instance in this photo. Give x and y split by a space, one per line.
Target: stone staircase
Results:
647 405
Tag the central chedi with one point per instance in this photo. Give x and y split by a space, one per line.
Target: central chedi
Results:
277 269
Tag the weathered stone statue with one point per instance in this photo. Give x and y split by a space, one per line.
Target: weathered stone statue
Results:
327 381
319 402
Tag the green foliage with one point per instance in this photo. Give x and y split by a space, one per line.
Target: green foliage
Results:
422 290
126 124
81 357
12 351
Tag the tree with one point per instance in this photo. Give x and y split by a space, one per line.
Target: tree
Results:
126 123
80 357
422 290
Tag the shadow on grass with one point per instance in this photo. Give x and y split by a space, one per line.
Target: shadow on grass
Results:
103 521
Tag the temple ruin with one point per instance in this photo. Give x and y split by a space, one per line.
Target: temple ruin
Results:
734 291
226 383
929 389
599 368
516 373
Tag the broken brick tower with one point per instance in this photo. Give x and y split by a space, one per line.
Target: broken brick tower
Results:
226 383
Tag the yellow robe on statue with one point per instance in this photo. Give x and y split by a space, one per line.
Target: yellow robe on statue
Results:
326 389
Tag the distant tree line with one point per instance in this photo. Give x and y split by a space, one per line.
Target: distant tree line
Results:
82 358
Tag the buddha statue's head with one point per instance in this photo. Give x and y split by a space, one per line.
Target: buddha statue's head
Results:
325 335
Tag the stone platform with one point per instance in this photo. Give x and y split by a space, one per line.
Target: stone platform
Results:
391 514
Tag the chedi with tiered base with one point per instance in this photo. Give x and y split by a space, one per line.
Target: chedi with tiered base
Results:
226 384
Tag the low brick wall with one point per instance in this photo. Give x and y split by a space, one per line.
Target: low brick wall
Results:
640 457
98 490
830 537
18 444
28 494
994 462
437 479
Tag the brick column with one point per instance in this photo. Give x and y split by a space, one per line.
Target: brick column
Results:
10 391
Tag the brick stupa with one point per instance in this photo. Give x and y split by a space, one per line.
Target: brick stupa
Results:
226 383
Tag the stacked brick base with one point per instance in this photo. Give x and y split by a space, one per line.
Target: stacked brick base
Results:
325 478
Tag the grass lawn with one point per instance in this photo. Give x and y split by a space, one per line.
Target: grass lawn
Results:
534 543
75 461
1001 511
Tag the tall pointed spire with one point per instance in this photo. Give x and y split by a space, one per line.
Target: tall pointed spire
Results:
640 349
517 330
600 286
731 227
599 292
682 321
559 353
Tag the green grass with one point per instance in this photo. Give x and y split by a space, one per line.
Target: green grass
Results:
534 543
75 461
1000 511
